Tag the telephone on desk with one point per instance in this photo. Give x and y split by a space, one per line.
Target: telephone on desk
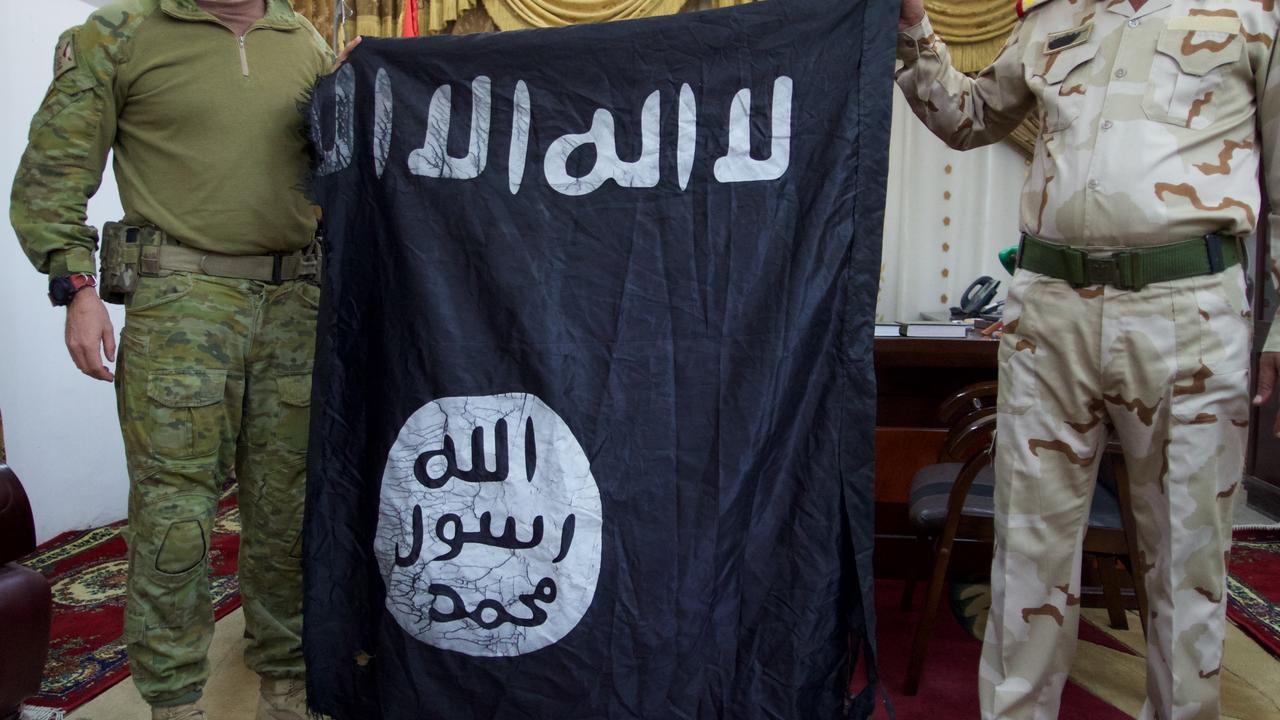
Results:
976 301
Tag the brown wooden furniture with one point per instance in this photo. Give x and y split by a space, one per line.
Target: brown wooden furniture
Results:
26 604
970 417
914 377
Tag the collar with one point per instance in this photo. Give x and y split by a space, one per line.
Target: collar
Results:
280 14
1025 6
1125 8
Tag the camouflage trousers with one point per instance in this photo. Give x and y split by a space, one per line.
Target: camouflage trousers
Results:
1166 369
214 374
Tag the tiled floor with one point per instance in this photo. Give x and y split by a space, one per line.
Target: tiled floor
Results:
1246 515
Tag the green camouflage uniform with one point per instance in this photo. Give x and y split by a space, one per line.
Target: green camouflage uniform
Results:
214 374
1148 137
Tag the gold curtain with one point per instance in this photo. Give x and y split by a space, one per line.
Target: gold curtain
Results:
974 30
320 13
369 18
524 14
376 18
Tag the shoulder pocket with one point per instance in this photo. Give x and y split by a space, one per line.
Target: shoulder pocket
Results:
1066 77
73 86
1054 67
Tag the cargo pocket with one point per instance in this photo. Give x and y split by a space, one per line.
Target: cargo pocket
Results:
154 292
309 292
135 624
1017 352
1206 399
1190 63
1225 322
295 412
1017 376
186 413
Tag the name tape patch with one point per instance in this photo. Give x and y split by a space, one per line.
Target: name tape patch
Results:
1065 39
1205 24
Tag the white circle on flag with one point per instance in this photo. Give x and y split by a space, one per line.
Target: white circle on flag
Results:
489 526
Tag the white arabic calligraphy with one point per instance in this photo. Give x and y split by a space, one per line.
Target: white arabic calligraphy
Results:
433 160
608 166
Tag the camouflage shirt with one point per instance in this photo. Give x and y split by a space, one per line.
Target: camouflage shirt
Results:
205 127
1150 119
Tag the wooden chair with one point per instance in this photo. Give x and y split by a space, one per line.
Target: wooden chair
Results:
970 433
952 500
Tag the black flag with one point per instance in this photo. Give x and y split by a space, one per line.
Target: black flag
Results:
593 412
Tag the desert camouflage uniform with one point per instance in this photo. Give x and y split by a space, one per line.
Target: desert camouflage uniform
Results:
1148 137
214 374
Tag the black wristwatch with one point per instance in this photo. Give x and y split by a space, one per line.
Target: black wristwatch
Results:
62 290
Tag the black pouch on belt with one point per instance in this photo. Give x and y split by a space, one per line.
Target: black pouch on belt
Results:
119 255
121 259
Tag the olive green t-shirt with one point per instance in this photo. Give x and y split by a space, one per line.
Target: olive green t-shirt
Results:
206 127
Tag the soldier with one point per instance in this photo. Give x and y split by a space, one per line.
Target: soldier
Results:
217 264
1128 313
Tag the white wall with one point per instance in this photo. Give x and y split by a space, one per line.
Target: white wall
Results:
947 217
60 427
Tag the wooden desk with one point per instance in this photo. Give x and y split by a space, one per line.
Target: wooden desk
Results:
914 376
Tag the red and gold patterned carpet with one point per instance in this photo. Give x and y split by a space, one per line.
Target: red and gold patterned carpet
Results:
86 658
87 571
1254 585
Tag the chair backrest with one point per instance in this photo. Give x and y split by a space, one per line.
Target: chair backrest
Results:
968 404
969 410
17 526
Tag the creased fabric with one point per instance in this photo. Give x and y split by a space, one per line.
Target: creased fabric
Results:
594 408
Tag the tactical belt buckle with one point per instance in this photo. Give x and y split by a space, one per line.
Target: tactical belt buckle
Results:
1101 270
